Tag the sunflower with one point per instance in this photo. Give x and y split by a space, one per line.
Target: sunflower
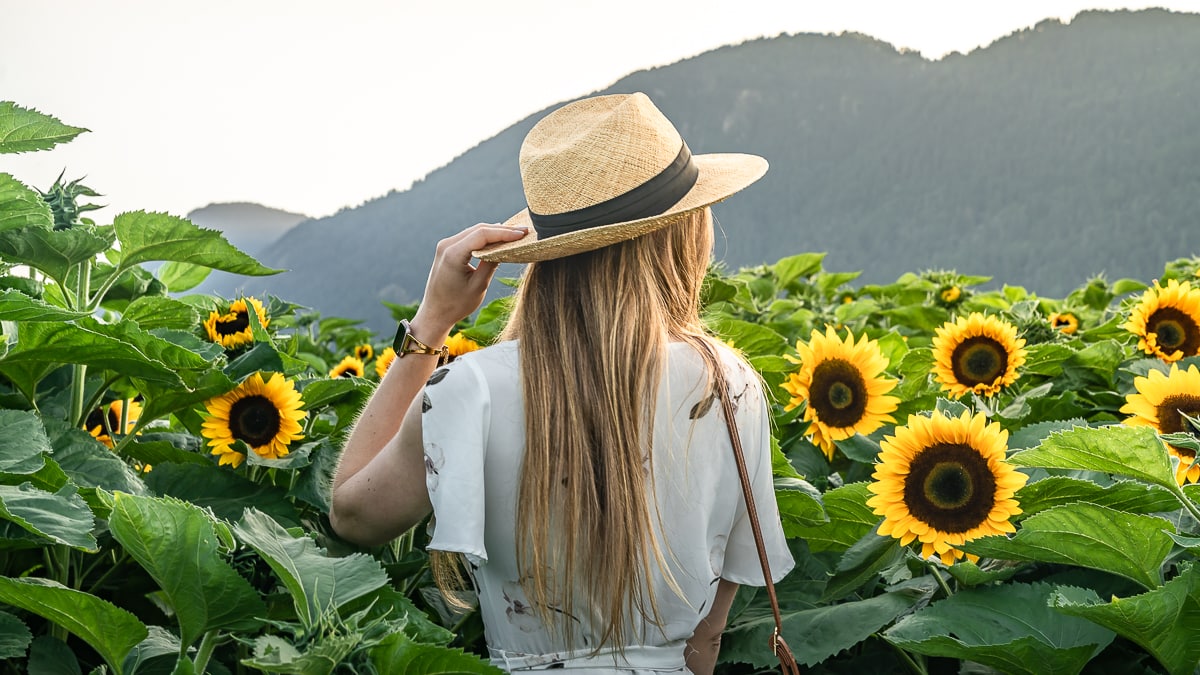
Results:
979 353
944 481
950 294
384 361
351 366
460 344
1064 322
264 415
364 352
1161 402
95 420
843 386
232 329
1167 321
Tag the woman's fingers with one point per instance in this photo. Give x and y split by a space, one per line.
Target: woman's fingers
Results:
479 236
456 287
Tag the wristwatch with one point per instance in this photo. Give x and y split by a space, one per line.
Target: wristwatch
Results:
407 343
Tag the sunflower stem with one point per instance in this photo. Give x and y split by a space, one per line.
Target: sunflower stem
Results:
204 653
94 401
1188 504
940 579
909 661
79 370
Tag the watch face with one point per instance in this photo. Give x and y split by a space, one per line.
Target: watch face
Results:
401 334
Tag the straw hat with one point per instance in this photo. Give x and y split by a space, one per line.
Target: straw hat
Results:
610 168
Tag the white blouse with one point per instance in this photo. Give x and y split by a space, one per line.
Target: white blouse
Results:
474 437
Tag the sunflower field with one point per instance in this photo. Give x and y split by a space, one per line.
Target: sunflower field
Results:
971 480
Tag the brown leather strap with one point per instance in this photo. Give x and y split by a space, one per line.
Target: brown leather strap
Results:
787 662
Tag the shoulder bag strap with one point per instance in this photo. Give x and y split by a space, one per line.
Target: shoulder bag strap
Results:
787 662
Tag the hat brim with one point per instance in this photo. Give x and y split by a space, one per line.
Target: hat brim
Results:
720 175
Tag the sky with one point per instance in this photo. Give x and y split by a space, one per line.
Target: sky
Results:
314 106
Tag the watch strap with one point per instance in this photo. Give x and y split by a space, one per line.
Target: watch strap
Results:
407 343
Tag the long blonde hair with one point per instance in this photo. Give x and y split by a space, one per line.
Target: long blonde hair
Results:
594 330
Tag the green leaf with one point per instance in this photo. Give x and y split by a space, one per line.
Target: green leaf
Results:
1125 451
62 516
177 544
14 637
23 442
799 504
122 347
751 338
1045 359
164 400
1032 435
925 318
1124 495
398 655
261 358
814 634
1094 365
317 582
1125 544
273 654
793 267
1007 627
226 493
91 464
968 573
17 306
180 276
849 519
862 563
1165 621
51 656
21 207
110 630
323 392
146 237
153 311
26 130
859 448
159 643
157 453
312 485
55 252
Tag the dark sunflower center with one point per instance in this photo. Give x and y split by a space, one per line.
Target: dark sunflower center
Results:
1061 321
1175 330
978 360
838 393
255 420
239 323
348 372
950 487
96 419
1171 420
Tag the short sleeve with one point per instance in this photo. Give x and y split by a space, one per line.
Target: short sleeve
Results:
742 564
454 428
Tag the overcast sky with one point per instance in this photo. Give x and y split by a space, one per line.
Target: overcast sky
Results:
313 106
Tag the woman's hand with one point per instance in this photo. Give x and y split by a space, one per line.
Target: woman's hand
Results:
456 287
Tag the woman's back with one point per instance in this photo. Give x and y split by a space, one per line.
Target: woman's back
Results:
474 429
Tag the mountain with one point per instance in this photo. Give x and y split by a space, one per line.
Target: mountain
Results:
1056 153
250 227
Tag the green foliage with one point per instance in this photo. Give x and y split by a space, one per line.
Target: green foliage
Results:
180 546
1010 628
126 547
24 129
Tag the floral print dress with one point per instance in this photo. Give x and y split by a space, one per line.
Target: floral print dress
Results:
473 429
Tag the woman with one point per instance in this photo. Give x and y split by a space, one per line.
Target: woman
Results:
580 467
